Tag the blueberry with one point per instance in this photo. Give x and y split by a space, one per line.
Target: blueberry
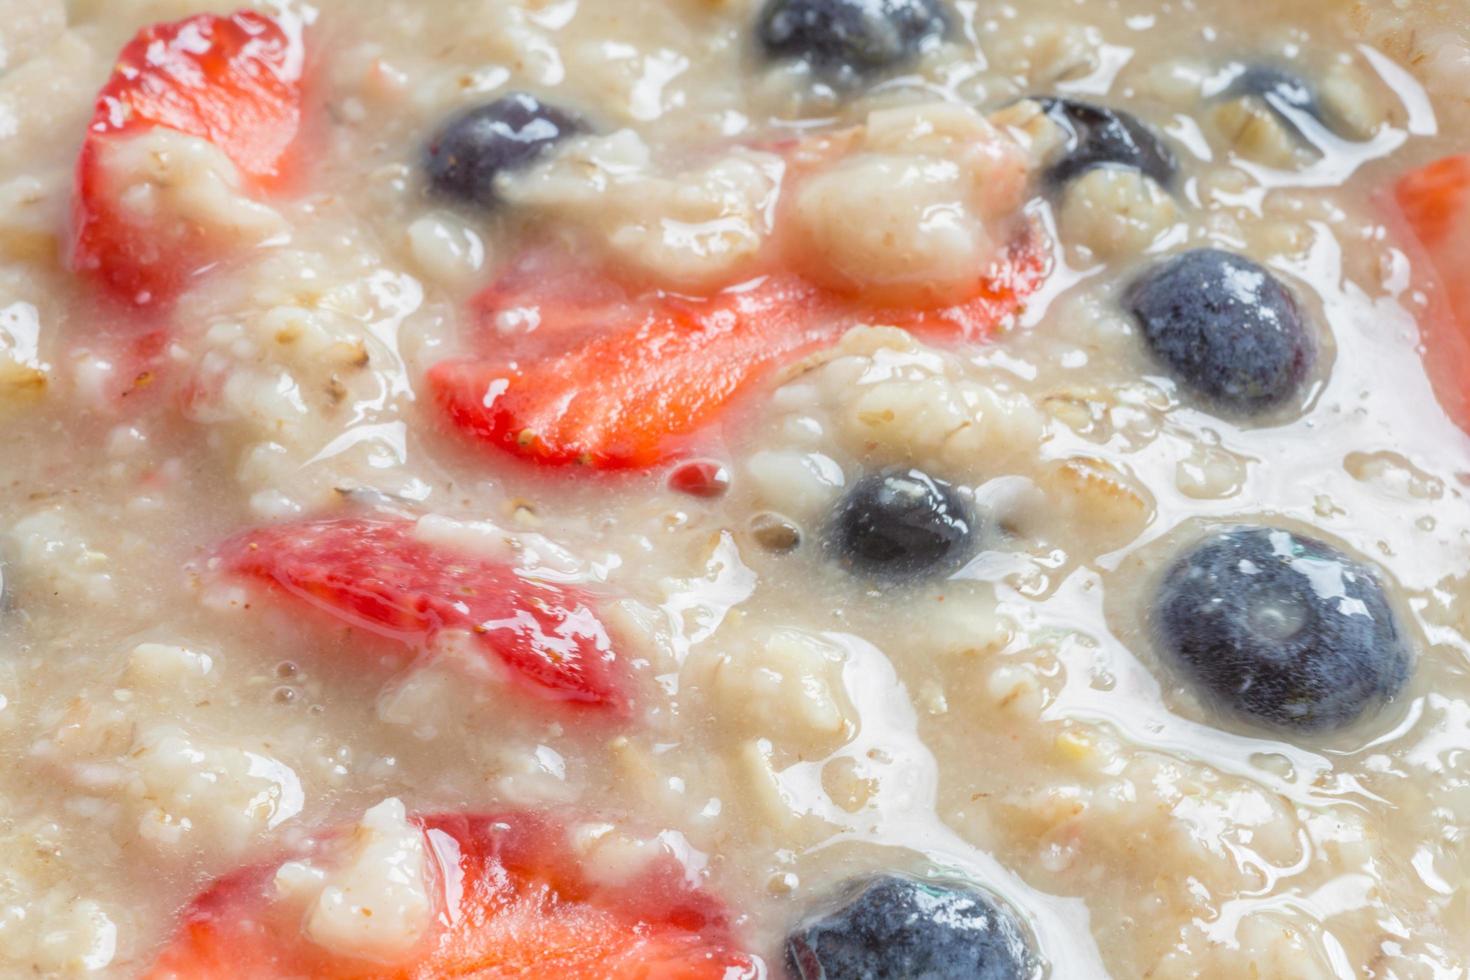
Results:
1225 327
476 146
894 927
1098 137
1281 629
901 522
1284 92
846 39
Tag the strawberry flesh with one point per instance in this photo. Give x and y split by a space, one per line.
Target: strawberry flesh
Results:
630 395
232 81
997 298
511 903
617 384
1434 203
376 576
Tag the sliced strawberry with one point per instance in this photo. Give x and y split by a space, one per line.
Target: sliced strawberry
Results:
375 575
233 81
996 299
631 394
511 903
1435 205
640 379
543 293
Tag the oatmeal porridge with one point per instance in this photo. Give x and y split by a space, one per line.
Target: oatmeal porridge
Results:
735 488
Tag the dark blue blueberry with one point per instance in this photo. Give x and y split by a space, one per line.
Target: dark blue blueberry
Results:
899 928
846 39
901 522
1281 629
1225 327
476 146
1284 92
1100 137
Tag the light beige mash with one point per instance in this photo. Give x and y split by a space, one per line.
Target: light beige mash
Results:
161 725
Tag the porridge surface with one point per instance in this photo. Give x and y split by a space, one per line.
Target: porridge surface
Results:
891 602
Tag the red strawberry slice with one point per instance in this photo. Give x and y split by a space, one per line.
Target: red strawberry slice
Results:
511 903
543 292
997 297
1435 204
641 379
375 575
630 395
234 81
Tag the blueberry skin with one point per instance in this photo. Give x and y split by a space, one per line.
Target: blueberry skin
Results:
1281 90
894 927
1281 629
901 522
1225 327
509 134
847 39
1099 137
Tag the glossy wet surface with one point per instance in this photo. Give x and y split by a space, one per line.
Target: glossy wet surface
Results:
904 621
